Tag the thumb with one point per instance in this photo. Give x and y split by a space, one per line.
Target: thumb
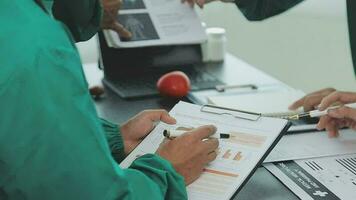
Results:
343 113
203 132
159 115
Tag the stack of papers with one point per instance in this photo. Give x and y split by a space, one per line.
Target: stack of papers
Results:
313 145
269 103
157 22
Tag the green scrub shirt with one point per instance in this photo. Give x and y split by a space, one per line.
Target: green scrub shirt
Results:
52 143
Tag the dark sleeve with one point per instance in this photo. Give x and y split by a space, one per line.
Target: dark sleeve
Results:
255 10
82 17
351 15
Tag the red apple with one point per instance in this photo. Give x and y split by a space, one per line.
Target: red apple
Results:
174 84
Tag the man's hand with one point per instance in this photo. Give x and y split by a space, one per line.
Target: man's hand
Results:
135 129
109 21
191 152
338 118
312 100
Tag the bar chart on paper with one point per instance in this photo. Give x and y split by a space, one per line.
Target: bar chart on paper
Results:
236 157
233 158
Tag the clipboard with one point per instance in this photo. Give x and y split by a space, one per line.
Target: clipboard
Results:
241 114
260 162
201 97
250 116
196 115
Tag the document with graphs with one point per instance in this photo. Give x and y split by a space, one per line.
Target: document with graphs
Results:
313 145
157 22
252 137
327 178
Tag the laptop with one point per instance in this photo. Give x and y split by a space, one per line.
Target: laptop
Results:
134 72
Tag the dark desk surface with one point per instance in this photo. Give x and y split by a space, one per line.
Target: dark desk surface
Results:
262 185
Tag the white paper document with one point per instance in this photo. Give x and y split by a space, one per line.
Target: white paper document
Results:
271 103
238 156
328 178
157 22
312 145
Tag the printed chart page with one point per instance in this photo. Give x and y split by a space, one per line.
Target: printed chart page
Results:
313 145
328 178
157 22
238 156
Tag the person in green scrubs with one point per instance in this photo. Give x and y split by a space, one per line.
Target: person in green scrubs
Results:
52 143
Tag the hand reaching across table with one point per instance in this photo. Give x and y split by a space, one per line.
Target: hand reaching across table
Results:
110 12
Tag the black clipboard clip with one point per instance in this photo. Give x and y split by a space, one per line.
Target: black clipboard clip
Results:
241 114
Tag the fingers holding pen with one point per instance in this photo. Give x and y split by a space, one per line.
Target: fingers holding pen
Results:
191 152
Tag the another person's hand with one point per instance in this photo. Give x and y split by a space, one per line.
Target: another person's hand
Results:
109 21
136 128
191 152
312 100
201 3
338 118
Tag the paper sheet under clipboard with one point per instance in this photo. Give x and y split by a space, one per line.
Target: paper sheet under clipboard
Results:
238 157
313 145
270 103
318 178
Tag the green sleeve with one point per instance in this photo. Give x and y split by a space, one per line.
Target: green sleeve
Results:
52 143
160 172
149 164
261 9
82 17
114 139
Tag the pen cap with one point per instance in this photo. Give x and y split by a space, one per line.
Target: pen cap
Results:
166 133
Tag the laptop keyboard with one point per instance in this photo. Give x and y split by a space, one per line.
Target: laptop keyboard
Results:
146 85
